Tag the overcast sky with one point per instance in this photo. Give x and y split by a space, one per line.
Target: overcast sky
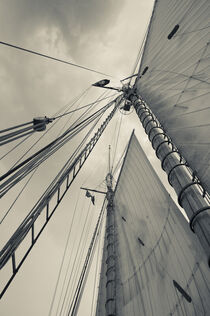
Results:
103 35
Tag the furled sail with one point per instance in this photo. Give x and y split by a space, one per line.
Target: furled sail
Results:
174 77
161 269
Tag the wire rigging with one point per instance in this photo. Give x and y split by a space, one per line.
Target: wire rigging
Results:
17 145
17 197
53 124
53 58
82 107
83 277
47 150
116 144
73 266
64 255
30 178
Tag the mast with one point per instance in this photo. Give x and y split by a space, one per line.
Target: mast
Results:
110 248
192 196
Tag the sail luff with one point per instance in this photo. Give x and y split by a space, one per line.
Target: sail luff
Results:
191 195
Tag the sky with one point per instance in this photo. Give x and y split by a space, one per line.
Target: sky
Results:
103 35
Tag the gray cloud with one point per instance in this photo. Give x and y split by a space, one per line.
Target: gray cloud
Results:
78 23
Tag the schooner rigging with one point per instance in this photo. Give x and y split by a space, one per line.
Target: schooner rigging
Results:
168 94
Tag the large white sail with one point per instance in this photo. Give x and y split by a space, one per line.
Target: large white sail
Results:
174 77
161 269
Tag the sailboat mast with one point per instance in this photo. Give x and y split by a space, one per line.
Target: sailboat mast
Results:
191 194
110 246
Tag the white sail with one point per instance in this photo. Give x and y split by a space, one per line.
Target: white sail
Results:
161 269
174 77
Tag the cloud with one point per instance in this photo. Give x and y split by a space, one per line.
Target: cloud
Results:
78 23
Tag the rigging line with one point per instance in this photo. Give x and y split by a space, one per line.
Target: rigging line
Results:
64 281
74 263
23 229
17 137
80 264
87 175
32 165
83 114
13 127
26 182
140 50
68 106
116 142
87 110
100 238
119 161
86 267
49 192
49 188
71 103
17 197
92 103
68 264
76 151
53 58
51 143
40 160
17 145
64 255
4 137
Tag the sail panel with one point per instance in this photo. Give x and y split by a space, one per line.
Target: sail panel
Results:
176 83
161 268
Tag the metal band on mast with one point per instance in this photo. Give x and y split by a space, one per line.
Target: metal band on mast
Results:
191 193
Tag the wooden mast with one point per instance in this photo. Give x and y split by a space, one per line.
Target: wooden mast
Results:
191 194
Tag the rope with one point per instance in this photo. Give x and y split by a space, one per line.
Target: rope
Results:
22 141
53 58
13 127
49 192
17 137
47 147
74 263
82 107
117 141
63 257
19 194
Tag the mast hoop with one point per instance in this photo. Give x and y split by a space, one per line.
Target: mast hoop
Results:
180 196
149 134
172 169
147 115
174 150
153 138
195 215
145 110
152 120
163 142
